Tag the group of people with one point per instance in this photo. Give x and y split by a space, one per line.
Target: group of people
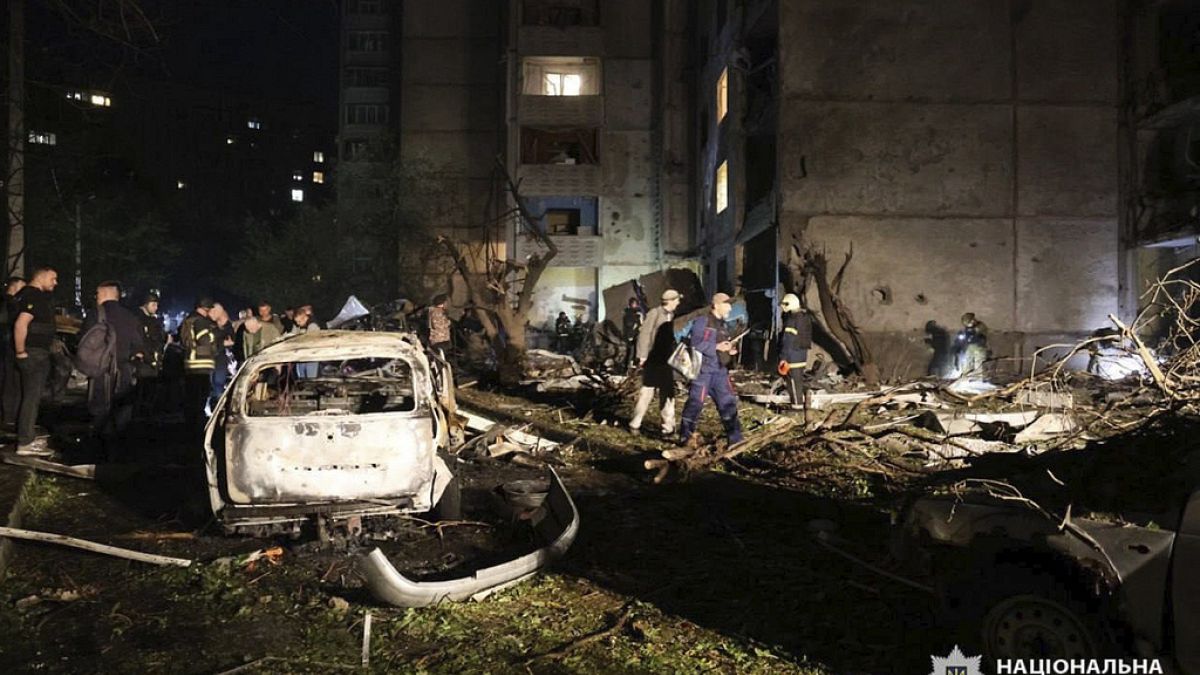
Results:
709 338
33 352
214 345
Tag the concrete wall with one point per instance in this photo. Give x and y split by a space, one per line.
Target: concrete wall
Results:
967 149
452 115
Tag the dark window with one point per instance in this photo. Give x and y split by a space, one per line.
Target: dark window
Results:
723 276
564 146
355 150
366 113
366 77
367 41
561 13
364 6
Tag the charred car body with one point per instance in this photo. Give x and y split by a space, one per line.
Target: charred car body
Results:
333 424
1017 582
336 426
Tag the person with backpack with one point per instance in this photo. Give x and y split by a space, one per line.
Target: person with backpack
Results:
110 344
197 334
711 338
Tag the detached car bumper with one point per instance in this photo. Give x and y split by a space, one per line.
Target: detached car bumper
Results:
557 523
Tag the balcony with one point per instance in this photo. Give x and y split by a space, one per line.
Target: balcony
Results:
565 41
572 111
560 179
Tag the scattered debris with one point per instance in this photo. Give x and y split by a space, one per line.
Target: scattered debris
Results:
556 522
86 471
104 549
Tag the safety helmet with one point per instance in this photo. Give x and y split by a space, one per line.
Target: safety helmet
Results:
790 303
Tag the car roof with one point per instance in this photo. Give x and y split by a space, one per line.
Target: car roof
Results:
341 344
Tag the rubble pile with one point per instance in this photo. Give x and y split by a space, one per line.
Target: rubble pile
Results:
922 429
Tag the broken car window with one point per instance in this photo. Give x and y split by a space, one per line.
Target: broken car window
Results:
340 387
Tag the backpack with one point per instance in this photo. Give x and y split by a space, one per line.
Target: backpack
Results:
96 355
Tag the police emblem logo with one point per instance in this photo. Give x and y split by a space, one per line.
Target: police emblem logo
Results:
956 663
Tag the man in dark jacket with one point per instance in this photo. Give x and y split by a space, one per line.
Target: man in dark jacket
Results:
794 343
197 334
10 398
711 338
631 322
154 342
111 396
562 333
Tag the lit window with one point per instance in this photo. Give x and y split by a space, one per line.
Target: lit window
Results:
229 140
101 101
179 185
253 123
319 157
75 95
722 186
297 195
318 176
43 138
298 176
562 84
722 95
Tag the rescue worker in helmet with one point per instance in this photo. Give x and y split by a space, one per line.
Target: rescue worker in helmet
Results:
794 342
971 346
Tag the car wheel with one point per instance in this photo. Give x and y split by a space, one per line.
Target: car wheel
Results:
1013 612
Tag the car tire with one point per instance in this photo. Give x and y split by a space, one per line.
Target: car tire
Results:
449 507
1019 612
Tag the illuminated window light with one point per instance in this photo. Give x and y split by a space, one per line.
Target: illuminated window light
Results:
43 138
722 95
101 101
229 140
179 184
253 124
297 195
722 196
318 176
298 176
318 157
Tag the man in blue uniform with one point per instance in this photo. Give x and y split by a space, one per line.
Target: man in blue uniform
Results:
710 337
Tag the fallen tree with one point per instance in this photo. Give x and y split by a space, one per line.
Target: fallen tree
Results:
500 290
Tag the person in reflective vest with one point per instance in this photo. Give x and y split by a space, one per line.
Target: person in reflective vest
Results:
198 336
794 342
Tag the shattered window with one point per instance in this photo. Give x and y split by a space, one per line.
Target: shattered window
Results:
337 387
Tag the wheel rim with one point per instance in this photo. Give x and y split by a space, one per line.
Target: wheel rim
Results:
1029 626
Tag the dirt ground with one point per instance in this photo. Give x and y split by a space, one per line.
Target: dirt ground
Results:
714 573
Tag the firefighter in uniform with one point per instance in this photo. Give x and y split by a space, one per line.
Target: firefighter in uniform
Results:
198 335
794 343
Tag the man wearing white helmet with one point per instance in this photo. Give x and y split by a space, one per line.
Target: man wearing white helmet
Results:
794 343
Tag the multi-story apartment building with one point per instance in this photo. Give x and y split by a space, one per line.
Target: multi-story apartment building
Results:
570 97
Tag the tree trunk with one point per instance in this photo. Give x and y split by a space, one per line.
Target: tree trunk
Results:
15 185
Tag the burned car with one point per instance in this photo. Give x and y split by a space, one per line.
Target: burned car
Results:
1019 582
331 426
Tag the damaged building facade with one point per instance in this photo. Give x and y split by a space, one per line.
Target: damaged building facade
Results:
974 155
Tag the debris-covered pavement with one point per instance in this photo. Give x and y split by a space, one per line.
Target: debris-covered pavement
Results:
762 556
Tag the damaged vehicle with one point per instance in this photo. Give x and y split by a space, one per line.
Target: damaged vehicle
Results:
332 426
329 428
1017 582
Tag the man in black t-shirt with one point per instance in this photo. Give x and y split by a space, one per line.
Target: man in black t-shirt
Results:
33 332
